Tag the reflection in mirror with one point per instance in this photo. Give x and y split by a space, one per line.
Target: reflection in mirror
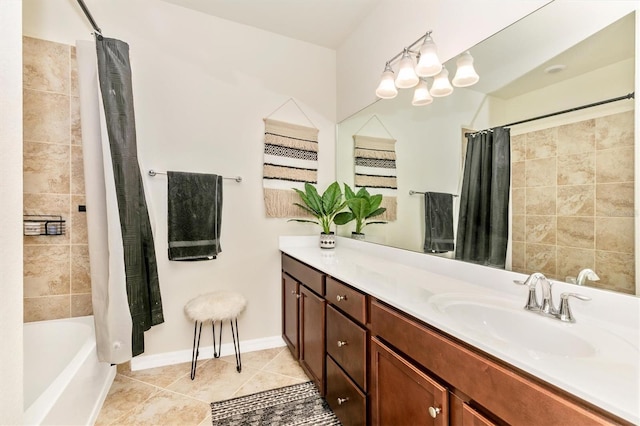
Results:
572 174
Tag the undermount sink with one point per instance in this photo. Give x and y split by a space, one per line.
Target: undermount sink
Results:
495 319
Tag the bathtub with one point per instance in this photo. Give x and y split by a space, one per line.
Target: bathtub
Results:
64 383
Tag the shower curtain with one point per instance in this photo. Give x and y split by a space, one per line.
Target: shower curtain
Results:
125 288
483 223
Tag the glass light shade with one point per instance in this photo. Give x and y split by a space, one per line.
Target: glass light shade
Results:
429 64
406 74
441 86
387 88
465 74
421 95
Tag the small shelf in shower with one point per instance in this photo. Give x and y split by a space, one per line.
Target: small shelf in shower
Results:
43 225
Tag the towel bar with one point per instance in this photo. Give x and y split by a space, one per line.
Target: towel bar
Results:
412 192
153 173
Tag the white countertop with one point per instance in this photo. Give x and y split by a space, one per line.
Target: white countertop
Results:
604 365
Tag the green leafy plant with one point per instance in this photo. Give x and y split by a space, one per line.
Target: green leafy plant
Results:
324 208
362 207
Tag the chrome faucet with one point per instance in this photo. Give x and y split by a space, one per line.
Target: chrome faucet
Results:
547 307
586 274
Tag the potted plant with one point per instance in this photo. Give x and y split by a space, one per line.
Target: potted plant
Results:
324 208
362 207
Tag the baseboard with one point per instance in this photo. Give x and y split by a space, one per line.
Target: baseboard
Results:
143 362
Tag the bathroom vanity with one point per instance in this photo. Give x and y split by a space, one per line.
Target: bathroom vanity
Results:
392 337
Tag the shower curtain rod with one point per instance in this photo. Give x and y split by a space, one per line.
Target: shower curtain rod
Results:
578 108
92 21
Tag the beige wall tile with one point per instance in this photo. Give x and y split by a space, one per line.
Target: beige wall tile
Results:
518 178
518 197
573 260
615 234
518 148
46 308
45 65
517 256
73 72
576 138
46 117
517 227
576 232
615 165
576 200
46 270
46 168
81 305
541 172
541 258
615 199
78 221
542 143
541 201
77 170
540 229
576 169
616 271
80 269
76 127
615 130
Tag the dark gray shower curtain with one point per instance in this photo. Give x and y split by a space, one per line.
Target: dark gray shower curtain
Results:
483 223
143 290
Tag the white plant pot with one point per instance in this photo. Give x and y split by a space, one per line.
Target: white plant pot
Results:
327 241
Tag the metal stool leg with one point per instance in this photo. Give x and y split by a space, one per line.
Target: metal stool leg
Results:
236 343
195 351
216 352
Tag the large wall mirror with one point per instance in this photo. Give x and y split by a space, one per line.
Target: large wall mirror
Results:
573 175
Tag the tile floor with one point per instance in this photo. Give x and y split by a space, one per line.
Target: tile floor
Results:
168 396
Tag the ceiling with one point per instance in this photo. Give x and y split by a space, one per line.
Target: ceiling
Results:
322 22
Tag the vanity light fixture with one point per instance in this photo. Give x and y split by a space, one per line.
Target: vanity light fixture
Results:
428 64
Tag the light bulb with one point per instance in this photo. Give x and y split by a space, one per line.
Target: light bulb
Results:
406 74
421 95
428 64
441 86
387 88
465 74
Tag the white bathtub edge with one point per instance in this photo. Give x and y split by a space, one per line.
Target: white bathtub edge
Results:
103 395
144 362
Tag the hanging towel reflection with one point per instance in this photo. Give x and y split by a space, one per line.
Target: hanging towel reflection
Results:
194 215
438 215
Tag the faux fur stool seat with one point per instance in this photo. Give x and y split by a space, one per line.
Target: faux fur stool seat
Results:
217 306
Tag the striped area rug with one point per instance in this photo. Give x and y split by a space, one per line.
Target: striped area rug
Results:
290 160
375 169
299 405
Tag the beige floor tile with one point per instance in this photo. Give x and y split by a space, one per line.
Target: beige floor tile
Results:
215 381
124 396
286 365
167 408
257 359
263 381
163 376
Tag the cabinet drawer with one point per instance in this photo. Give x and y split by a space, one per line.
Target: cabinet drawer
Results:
347 299
491 385
344 397
305 274
347 344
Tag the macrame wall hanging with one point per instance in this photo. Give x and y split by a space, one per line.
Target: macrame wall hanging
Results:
290 161
375 168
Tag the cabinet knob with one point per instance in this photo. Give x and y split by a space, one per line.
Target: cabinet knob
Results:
339 298
342 400
434 411
342 343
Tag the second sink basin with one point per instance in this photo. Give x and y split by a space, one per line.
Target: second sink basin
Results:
494 318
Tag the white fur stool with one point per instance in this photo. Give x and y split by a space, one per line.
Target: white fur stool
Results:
215 306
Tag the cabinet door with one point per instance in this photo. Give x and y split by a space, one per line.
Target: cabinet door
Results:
401 394
290 313
312 342
471 417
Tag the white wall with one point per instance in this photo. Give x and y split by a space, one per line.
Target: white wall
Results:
202 87
456 24
11 211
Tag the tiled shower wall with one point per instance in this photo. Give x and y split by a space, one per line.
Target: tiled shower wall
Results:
56 268
573 201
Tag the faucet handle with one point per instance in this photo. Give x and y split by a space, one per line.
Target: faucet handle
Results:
564 313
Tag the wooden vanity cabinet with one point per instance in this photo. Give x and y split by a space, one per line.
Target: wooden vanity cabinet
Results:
303 317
